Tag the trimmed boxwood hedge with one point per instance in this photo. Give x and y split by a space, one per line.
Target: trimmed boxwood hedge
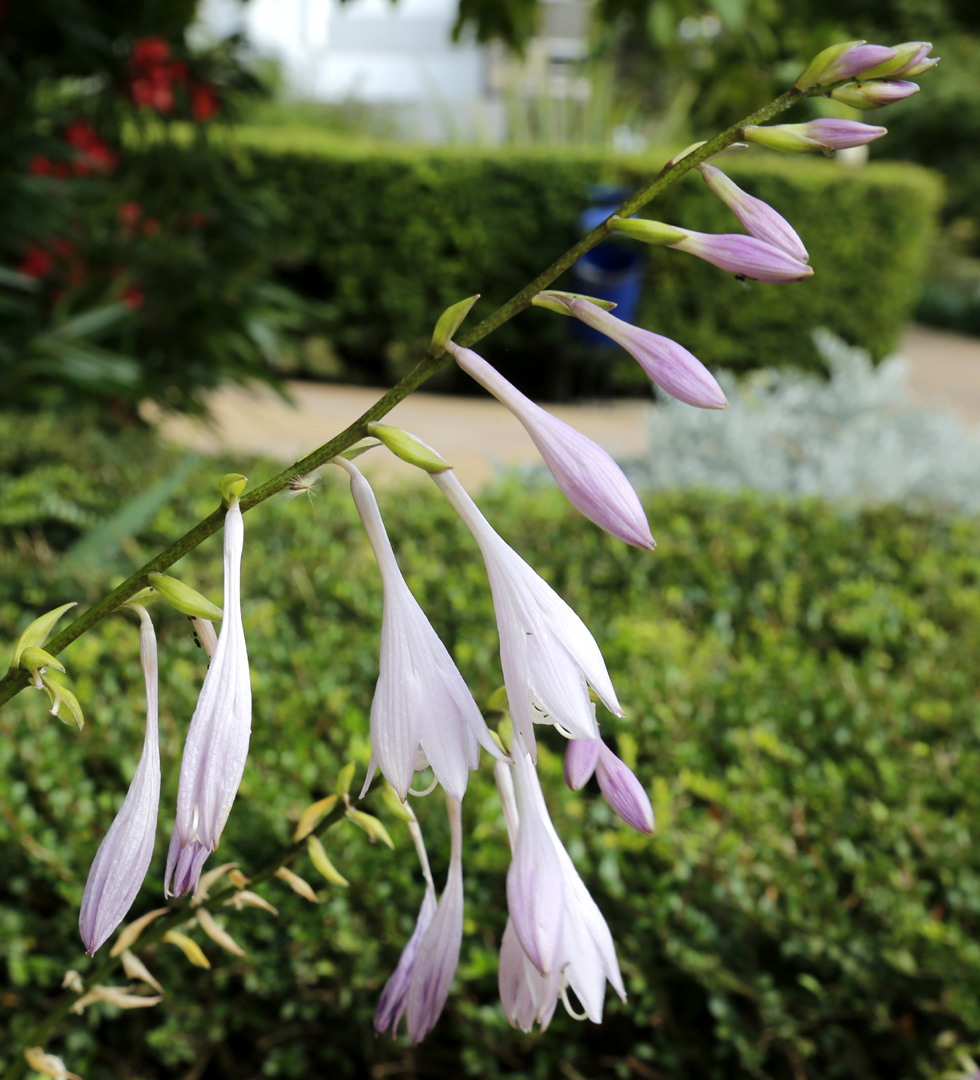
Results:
801 694
388 236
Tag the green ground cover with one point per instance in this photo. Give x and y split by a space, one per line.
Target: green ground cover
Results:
802 702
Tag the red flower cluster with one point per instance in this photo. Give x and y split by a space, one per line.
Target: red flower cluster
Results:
61 261
91 155
154 75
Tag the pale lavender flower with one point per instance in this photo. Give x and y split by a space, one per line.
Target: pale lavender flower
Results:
216 747
815 135
911 58
617 782
548 656
558 929
745 256
184 866
123 858
675 370
420 983
843 62
592 482
422 712
755 216
874 93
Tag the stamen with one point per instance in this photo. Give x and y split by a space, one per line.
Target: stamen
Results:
568 1008
427 791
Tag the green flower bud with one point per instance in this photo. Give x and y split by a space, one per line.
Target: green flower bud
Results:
231 486
409 448
553 299
395 805
449 322
647 230
345 778
320 859
34 658
370 824
186 600
60 696
37 633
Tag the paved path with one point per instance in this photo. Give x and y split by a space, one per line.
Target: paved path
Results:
478 436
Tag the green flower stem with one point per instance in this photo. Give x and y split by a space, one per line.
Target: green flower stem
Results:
17 678
178 913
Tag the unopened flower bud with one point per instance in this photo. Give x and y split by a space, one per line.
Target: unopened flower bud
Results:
815 135
842 62
911 58
409 447
874 94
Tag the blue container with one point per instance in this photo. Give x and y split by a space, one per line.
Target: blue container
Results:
613 270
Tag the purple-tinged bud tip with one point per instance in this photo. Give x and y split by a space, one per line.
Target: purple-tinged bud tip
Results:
675 370
624 792
843 62
581 757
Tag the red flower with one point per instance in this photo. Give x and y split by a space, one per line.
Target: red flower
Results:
37 263
149 52
81 135
130 213
40 165
204 103
133 297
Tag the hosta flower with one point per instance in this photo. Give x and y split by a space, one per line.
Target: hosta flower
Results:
422 712
617 781
746 256
549 658
815 135
675 370
911 58
592 482
123 858
875 93
755 216
843 62
420 983
217 740
556 937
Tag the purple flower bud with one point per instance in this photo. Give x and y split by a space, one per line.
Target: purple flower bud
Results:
123 858
874 94
623 791
745 256
592 482
843 62
581 758
911 58
675 370
815 135
755 216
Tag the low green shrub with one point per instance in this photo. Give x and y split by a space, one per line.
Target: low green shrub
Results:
389 236
801 701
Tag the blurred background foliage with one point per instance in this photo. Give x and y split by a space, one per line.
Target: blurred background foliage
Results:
798 675
801 698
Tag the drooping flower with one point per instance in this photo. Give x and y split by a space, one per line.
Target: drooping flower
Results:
420 983
591 481
556 936
815 135
755 216
617 781
216 747
422 712
548 656
675 370
123 858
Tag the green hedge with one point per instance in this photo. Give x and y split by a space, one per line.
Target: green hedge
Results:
389 236
801 700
